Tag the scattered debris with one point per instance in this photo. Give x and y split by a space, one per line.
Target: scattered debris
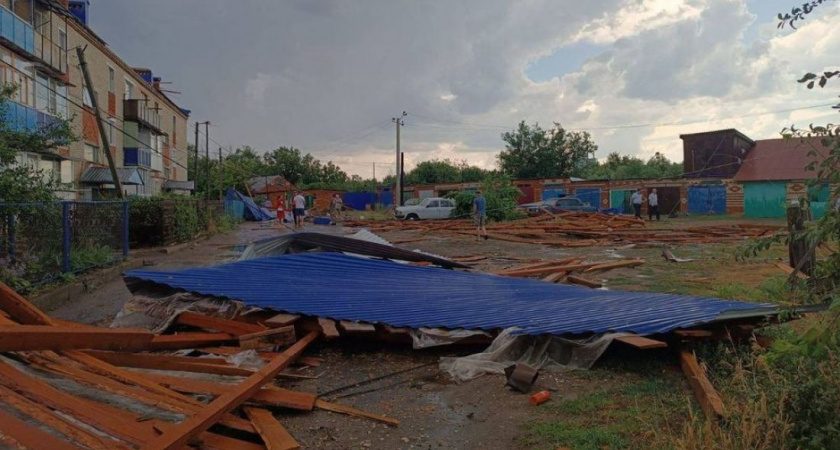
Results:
521 377
668 255
540 397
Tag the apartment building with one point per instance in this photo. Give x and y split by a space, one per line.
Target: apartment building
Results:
146 130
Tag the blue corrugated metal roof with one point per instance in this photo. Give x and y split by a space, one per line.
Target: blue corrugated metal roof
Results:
128 175
343 287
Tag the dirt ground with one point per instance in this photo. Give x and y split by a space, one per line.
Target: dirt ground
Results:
625 401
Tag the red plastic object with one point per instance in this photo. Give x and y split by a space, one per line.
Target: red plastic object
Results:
540 397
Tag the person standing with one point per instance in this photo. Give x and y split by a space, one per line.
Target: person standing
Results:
299 208
653 205
480 214
636 199
337 205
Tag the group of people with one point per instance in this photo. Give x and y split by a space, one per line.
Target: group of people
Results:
299 208
653 204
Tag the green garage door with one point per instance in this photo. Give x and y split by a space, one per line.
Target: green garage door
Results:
764 199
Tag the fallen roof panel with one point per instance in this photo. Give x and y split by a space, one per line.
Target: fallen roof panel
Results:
341 287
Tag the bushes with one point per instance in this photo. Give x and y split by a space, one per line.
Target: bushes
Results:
164 221
500 195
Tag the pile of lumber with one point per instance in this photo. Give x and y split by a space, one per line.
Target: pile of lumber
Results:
568 270
119 373
579 229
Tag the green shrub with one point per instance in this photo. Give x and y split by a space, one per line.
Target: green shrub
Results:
500 195
188 220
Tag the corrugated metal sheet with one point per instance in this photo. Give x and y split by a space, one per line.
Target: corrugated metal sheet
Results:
346 288
100 175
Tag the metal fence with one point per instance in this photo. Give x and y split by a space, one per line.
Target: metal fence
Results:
41 242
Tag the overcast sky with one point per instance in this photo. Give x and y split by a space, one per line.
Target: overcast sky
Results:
327 76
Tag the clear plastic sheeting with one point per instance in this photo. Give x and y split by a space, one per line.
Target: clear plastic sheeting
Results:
155 311
539 352
434 337
248 359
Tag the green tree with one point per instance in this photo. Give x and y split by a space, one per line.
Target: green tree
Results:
500 195
532 152
434 171
19 183
624 167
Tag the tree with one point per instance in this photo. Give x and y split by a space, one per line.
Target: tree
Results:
624 167
531 152
434 171
20 183
500 194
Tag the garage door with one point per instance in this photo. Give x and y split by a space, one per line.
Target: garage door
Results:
589 195
620 200
707 199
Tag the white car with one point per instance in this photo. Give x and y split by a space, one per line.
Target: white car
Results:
429 208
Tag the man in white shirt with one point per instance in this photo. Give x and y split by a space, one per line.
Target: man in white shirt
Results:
299 203
653 205
636 199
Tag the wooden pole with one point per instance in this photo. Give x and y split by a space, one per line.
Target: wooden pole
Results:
798 248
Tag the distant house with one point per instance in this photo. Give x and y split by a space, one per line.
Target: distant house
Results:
715 154
271 187
775 173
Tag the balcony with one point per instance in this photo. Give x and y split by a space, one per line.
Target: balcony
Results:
16 31
24 119
138 111
50 54
137 157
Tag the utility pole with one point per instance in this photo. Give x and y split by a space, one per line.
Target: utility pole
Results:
374 171
221 177
207 156
195 168
399 122
102 134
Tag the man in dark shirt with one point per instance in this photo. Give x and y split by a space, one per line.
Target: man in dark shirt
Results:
480 214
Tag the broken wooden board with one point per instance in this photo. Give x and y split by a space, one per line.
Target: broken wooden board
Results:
706 394
19 309
231 327
169 362
789 270
190 340
15 338
274 435
353 327
616 265
182 433
328 328
281 320
272 336
579 280
555 277
335 407
641 342
30 436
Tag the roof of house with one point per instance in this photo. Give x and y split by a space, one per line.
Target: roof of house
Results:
258 184
779 159
726 130
102 175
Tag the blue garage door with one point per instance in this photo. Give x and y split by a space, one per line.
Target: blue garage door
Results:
707 200
553 192
589 195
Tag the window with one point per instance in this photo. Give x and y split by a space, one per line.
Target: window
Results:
61 101
62 39
111 128
86 94
112 83
42 93
174 132
433 204
92 153
129 90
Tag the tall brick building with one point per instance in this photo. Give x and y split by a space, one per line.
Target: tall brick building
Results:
147 131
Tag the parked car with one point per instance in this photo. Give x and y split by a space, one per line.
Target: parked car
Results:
429 208
558 204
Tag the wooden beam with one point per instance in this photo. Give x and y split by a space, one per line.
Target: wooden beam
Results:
273 336
62 424
168 362
181 434
281 320
357 327
706 394
616 265
30 436
15 338
694 333
20 309
213 441
189 340
641 342
275 436
577 279
232 327
335 407
328 328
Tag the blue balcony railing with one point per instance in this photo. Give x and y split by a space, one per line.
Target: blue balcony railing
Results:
19 117
16 31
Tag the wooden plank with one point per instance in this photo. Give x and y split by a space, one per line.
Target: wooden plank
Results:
60 423
549 269
273 336
99 416
555 277
232 327
790 270
577 279
189 340
182 433
30 436
328 328
275 436
281 320
167 362
213 441
19 309
694 333
268 396
357 327
335 407
616 265
706 394
540 265
641 342
15 338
